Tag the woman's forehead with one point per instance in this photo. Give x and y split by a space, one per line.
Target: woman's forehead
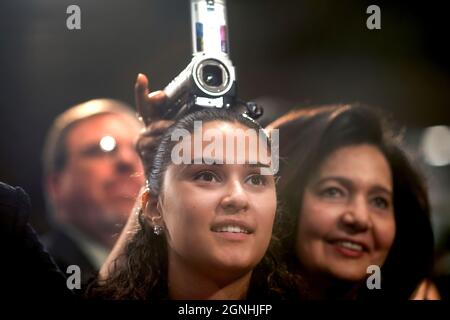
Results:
221 142
363 163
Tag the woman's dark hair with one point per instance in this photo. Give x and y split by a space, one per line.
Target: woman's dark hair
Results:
307 138
143 275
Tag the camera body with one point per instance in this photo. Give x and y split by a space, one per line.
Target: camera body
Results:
209 80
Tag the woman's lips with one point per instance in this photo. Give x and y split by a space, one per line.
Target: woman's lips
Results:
349 248
233 236
232 229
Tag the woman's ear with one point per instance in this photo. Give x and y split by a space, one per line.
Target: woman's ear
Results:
145 195
152 210
153 213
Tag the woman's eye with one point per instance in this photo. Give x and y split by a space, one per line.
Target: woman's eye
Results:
206 176
332 192
380 202
257 180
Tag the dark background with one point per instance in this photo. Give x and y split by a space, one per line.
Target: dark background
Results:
287 54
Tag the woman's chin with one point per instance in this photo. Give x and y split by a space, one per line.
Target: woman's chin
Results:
350 274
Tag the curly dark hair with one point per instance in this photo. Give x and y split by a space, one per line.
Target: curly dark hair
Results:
143 269
308 137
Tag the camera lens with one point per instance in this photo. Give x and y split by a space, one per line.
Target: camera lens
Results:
212 75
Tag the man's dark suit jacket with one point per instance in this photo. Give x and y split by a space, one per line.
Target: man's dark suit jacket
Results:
66 252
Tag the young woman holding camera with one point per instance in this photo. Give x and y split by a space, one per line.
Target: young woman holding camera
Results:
203 230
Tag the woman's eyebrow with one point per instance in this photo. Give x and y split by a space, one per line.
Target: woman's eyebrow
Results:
342 180
380 188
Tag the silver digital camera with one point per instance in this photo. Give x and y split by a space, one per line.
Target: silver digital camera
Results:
209 80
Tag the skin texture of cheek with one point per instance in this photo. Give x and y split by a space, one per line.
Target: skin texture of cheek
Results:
187 215
102 190
384 236
312 228
188 223
309 249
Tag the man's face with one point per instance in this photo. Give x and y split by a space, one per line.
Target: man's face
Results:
97 188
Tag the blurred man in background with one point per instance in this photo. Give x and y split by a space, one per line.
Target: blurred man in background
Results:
92 176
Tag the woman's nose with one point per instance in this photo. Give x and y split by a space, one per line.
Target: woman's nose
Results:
356 215
235 200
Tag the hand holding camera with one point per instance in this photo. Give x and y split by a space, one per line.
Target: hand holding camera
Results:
208 81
